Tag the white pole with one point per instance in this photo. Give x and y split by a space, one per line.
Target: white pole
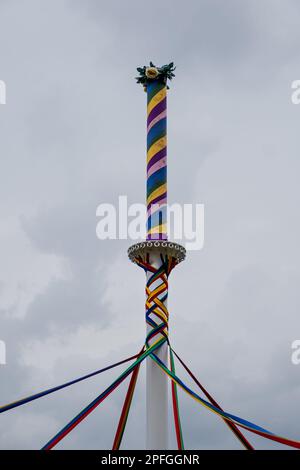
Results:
156 389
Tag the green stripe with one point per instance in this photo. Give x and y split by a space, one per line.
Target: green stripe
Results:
176 399
154 89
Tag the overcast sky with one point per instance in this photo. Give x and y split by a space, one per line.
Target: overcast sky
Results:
72 135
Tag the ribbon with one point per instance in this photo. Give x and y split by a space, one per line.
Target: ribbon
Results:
231 425
126 408
30 398
176 414
89 408
245 424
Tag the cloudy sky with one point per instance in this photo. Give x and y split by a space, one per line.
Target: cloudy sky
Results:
72 135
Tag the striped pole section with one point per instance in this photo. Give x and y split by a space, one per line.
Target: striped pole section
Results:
156 160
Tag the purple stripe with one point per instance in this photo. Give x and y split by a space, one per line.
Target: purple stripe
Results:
156 200
159 108
160 205
155 120
161 154
157 166
157 236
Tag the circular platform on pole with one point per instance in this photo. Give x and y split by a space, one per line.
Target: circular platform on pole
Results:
164 247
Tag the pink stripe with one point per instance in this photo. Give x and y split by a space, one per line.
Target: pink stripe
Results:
157 205
157 166
156 119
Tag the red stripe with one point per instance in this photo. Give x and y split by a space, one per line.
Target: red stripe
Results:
67 431
282 440
176 415
125 409
177 429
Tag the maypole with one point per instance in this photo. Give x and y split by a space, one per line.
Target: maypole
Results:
157 256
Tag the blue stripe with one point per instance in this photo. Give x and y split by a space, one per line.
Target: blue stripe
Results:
156 180
158 130
155 219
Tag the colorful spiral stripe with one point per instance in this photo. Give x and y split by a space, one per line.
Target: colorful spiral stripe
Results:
156 160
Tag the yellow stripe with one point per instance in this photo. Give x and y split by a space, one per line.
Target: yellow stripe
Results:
164 315
156 147
158 229
155 292
158 192
149 293
162 307
156 99
153 344
161 316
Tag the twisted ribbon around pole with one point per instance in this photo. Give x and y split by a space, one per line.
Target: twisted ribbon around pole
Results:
157 317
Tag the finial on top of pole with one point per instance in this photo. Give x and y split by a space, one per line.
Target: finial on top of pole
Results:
151 72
